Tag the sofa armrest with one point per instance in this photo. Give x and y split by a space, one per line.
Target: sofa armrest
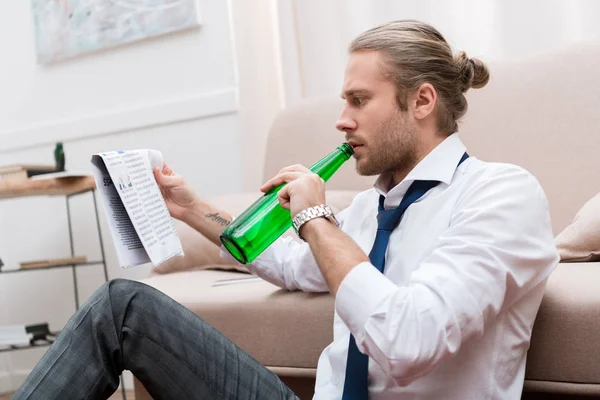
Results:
200 252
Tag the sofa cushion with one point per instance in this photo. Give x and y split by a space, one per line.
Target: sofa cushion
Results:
580 241
564 344
201 253
290 329
279 328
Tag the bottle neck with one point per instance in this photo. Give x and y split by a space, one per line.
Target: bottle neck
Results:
347 150
329 164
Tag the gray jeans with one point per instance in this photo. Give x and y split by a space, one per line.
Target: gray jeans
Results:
127 325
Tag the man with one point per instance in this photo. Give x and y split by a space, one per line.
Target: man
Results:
439 303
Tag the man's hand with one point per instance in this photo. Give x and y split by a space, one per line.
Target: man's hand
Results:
304 188
179 196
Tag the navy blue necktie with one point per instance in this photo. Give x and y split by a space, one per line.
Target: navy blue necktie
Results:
356 386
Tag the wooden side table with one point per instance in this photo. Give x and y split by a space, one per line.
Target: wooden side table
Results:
64 186
67 186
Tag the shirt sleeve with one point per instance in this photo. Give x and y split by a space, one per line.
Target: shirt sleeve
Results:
498 247
289 264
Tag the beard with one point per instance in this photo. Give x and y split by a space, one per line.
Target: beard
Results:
394 149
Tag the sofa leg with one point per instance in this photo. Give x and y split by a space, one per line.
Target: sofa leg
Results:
304 388
140 391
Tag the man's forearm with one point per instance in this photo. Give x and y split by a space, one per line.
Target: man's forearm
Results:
336 253
208 220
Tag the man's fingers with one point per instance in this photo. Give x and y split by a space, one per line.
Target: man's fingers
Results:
279 179
293 168
166 170
167 181
284 197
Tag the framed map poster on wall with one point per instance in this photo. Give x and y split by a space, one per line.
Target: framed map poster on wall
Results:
67 28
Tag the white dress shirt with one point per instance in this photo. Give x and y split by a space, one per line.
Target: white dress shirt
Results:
465 271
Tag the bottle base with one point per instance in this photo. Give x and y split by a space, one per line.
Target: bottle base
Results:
233 249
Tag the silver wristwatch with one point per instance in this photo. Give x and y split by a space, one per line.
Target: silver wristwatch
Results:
306 215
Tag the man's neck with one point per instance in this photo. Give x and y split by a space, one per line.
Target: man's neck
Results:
423 150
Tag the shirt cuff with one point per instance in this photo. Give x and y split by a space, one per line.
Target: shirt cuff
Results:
359 295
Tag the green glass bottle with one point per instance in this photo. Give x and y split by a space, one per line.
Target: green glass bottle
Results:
265 220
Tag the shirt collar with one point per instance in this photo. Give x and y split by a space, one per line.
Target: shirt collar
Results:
439 165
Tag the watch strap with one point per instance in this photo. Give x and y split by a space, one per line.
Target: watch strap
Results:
322 210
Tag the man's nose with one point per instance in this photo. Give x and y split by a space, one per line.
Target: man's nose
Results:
345 123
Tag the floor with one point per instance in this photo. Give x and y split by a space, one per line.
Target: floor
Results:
116 396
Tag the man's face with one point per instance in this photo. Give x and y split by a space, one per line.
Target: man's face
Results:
384 138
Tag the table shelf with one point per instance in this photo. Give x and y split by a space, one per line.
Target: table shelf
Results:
10 271
65 186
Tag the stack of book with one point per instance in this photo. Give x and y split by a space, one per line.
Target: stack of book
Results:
23 335
14 335
24 171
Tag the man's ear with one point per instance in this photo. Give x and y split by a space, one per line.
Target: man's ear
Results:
423 101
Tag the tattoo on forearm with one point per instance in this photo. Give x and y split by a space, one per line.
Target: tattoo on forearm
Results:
218 219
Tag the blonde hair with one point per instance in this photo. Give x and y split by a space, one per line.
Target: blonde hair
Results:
415 53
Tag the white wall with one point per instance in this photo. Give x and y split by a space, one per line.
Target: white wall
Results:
259 78
169 69
204 97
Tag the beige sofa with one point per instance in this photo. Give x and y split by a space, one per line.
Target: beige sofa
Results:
541 113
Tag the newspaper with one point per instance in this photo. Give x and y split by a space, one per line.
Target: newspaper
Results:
141 226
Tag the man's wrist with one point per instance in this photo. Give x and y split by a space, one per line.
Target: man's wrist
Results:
310 229
192 213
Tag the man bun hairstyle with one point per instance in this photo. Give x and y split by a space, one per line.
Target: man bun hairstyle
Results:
416 53
473 73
